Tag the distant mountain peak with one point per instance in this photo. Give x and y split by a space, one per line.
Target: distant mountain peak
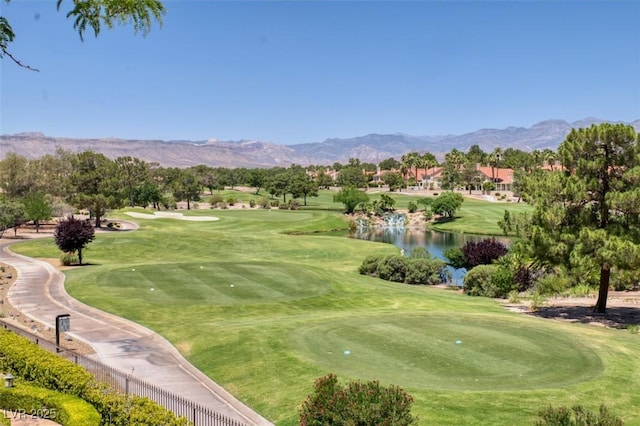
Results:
373 147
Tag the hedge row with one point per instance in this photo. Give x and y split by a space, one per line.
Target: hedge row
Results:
68 410
28 362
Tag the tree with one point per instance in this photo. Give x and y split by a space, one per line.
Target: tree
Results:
94 184
352 175
11 215
394 180
389 164
409 161
72 235
476 155
303 185
350 197
131 172
94 14
257 178
324 180
471 176
37 208
447 203
14 180
147 193
279 184
186 188
591 210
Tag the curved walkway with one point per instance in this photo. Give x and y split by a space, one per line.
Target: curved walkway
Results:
39 294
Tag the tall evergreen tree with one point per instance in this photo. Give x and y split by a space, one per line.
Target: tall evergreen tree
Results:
591 209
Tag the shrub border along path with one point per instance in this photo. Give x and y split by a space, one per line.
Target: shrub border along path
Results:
39 293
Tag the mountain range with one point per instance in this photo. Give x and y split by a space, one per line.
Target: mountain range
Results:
250 153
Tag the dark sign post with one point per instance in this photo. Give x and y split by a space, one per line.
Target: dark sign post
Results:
63 324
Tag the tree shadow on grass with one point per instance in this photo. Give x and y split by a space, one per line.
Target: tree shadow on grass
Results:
616 316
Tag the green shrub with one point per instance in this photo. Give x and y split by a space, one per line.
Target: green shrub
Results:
370 265
537 301
26 360
577 416
550 284
252 203
412 207
428 214
294 204
231 201
477 282
503 281
358 403
424 271
490 281
68 259
393 268
275 203
215 200
64 409
29 362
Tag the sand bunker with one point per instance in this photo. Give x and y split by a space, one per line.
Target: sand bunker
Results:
171 215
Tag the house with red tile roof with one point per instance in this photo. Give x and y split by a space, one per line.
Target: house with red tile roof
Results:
502 178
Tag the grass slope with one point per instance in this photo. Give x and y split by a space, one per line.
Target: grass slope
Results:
297 304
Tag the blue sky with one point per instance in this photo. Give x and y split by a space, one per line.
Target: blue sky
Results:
303 71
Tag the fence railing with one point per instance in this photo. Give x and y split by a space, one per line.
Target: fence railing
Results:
130 384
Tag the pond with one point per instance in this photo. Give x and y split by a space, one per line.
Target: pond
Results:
407 239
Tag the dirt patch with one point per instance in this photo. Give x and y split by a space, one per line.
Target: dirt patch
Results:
623 309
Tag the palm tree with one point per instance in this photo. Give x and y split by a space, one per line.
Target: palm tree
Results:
494 162
429 160
408 161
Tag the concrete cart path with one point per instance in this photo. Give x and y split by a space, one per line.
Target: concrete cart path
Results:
39 294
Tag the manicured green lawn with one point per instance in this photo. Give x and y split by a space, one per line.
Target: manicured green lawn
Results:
264 313
479 217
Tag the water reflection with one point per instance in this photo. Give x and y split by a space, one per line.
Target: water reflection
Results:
407 239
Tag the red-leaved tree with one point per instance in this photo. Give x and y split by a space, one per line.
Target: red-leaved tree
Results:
72 235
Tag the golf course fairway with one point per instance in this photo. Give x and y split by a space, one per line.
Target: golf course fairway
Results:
264 303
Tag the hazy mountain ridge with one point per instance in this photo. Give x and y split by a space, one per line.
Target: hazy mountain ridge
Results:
251 153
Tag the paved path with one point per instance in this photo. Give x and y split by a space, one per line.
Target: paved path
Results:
39 293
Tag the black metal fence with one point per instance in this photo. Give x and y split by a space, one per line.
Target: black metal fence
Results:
130 384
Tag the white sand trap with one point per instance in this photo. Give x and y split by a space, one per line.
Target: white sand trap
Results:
172 215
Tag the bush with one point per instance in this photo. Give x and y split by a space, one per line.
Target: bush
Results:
482 252
477 282
393 268
294 204
231 201
64 409
264 203
28 362
216 199
370 265
68 259
275 203
358 403
577 416
424 271
503 281
420 268
252 203
550 284
412 207
455 257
